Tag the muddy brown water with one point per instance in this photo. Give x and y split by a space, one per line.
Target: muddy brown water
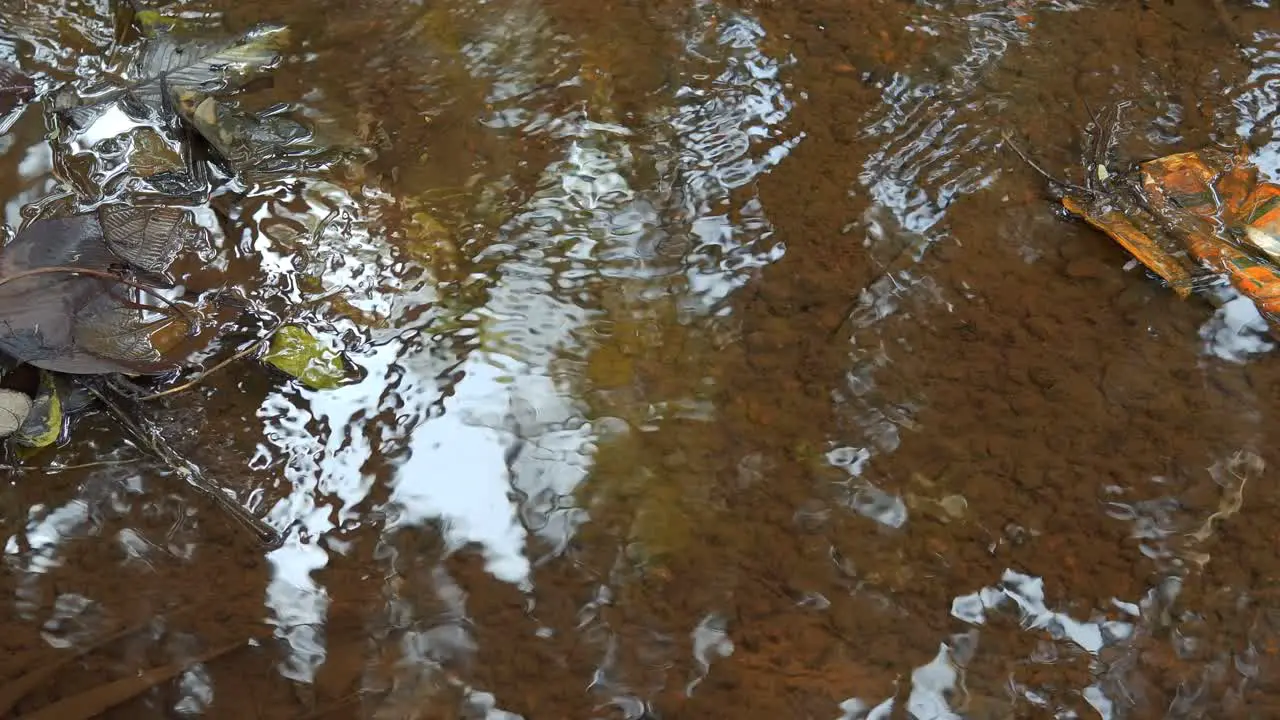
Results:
618 453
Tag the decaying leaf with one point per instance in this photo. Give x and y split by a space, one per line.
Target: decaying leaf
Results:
299 354
152 23
149 238
247 141
85 322
153 156
161 158
1204 215
43 425
100 148
211 66
15 406
427 239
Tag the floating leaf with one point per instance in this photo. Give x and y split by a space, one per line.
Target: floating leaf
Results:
14 408
299 354
43 426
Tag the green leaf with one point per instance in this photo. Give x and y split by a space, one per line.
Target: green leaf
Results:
299 354
153 22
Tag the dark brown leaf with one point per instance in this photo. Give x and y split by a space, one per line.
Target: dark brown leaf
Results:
79 323
148 238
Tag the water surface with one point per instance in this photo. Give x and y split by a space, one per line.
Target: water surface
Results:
717 360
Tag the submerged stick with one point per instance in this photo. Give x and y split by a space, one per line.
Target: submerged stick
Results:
63 468
1228 24
95 702
12 692
1032 163
200 377
150 440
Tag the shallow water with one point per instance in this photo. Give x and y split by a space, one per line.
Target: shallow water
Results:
618 452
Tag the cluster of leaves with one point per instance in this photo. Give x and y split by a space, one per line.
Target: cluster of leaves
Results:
82 293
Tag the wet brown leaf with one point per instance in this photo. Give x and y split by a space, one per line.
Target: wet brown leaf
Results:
65 303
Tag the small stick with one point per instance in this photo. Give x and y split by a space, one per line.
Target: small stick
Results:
253 346
1228 24
60 468
343 705
900 261
150 439
93 703
1025 158
13 691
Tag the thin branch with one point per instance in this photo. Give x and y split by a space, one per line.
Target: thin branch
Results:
61 468
199 378
149 439
1025 158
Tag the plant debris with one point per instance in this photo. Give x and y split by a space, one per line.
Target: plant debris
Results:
89 289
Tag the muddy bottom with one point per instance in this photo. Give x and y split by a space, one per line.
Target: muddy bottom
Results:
718 360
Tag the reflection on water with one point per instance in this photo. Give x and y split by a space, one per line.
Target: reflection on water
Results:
583 281
490 436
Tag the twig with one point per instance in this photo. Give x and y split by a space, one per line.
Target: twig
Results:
1228 24
60 468
1025 158
13 691
344 704
199 378
96 701
149 439
900 261
102 274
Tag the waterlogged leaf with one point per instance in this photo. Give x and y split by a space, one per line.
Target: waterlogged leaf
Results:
428 237
149 238
74 322
343 307
252 143
299 354
211 66
207 65
426 240
14 408
153 22
43 425
152 155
